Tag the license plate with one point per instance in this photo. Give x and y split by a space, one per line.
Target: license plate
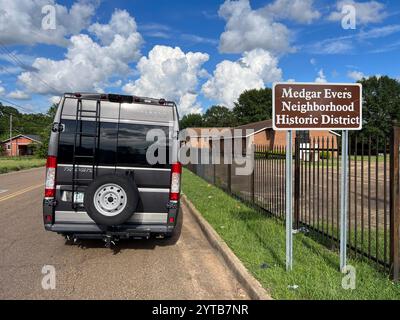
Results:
78 197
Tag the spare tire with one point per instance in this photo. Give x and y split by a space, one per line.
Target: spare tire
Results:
111 200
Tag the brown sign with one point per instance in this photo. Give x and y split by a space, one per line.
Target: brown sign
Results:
314 106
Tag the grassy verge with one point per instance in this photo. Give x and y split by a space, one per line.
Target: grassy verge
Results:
371 243
19 163
259 242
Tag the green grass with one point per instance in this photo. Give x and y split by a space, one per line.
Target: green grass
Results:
259 241
381 158
8 164
373 244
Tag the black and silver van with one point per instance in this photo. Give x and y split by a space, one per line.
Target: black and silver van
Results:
99 182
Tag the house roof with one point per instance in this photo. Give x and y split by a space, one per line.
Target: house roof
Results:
33 137
256 126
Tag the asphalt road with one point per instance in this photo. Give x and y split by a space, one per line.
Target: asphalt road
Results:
184 267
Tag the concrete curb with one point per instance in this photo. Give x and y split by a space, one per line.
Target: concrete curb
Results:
243 276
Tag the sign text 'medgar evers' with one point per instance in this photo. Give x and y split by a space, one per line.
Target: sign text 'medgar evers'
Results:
317 106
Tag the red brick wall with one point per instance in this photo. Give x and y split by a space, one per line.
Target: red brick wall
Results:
278 138
21 141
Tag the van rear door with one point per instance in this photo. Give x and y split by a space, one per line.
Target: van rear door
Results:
121 149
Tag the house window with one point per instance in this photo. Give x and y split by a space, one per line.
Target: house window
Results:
8 146
303 136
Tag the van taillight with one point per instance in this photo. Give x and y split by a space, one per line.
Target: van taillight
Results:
50 187
176 172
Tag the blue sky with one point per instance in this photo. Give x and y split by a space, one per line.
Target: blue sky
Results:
198 53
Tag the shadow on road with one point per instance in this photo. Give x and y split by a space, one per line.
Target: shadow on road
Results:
135 244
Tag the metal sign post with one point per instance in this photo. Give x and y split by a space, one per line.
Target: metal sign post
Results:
344 200
316 106
289 215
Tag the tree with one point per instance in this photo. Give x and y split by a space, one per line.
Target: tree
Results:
191 120
41 151
253 105
27 123
381 105
219 116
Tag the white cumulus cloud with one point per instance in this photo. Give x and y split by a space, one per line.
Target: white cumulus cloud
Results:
87 65
366 12
18 95
2 89
172 74
54 99
247 29
21 21
121 24
253 71
356 75
301 11
321 78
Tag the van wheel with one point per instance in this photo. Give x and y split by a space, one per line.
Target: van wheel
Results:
111 200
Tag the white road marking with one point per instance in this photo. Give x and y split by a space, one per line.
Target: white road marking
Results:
3 190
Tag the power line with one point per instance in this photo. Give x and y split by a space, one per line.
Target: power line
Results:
13 75
18 106
24 66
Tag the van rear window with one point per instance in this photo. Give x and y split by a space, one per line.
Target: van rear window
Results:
119 144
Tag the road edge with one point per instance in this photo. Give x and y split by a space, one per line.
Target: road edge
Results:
23 170
253 288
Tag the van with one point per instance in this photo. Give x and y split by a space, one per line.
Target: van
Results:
100 183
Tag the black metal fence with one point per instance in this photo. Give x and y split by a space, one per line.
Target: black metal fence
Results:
373 211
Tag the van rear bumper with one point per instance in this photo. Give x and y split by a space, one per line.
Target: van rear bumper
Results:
128 230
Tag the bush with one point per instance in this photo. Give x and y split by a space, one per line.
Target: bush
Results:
324 155
41 151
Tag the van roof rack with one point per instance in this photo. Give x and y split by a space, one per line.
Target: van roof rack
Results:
120 98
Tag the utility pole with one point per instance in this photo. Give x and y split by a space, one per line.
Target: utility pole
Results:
11 135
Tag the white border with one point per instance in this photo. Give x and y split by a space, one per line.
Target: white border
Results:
314 84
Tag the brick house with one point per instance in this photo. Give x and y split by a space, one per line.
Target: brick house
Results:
264 135
195 136
20 145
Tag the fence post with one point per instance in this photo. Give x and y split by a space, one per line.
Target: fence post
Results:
395 203
230 161
296 183
252 186
214 176
230 178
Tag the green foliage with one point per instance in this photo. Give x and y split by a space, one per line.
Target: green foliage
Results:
42 149
191 120
273 154
253 105
381 105
324 155
8 164
23 123
219 116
